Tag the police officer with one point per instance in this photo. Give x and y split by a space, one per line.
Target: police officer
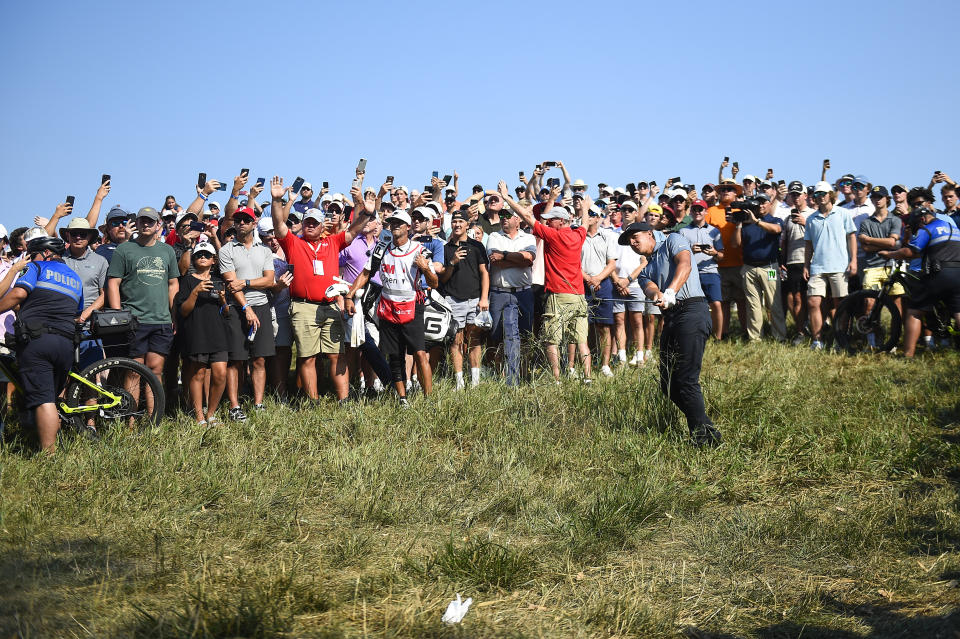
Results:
938 243
50 296
669 279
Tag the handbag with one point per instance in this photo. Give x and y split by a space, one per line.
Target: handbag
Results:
112 322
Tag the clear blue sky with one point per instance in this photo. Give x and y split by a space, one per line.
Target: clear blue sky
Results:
152 93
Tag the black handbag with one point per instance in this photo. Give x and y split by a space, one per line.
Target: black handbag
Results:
112 322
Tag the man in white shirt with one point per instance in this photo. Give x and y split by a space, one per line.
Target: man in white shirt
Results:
511 253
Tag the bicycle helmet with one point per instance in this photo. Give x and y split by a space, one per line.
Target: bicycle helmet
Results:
41 244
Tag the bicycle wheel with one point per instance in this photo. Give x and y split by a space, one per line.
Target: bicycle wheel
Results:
865 322
137 402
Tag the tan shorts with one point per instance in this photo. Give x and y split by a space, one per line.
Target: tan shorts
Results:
731 283
317 328
565 318
818 284
874 277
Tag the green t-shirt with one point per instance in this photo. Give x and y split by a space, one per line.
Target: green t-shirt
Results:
145 272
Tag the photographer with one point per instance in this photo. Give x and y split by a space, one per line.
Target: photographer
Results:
729 267
757 231
203 311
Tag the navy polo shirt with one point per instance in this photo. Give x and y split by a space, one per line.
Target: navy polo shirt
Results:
760 248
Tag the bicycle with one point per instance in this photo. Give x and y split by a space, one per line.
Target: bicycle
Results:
869 320
113 390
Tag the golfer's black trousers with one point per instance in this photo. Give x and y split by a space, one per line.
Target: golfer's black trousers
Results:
686 328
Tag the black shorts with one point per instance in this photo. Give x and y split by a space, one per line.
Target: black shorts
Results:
44 365
398 339
151 338
263 345
944 285
208 358
795 282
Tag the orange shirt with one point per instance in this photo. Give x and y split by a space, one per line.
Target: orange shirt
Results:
732 256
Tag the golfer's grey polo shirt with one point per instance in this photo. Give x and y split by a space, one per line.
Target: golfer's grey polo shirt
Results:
661 268
248 264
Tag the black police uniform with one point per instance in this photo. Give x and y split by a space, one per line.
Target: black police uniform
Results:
686 327
939 245
45 327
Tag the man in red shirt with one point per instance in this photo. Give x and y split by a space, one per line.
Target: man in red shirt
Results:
314 261
565 313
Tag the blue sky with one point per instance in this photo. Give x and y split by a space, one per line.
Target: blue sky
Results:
154 93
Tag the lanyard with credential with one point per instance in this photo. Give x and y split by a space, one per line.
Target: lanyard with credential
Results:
317 263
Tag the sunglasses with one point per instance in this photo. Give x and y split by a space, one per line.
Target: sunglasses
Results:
243 219
819 194
78 235
858 187
846 183
202 256
119 222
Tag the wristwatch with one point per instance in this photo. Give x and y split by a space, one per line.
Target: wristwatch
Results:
246 283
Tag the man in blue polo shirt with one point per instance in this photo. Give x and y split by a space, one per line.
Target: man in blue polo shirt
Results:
759 236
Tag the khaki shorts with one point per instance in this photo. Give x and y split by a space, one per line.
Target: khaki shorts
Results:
317 328
731 283
874 277
565 318
818 284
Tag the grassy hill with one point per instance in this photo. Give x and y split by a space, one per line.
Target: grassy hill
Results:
832 509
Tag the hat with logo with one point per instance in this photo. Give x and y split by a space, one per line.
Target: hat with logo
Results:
76 224
314 214
185 214
898 187
204 247
656 209
879 191
424 212
400 216
463 213
265 226
749 178
700 203
707 187
306 185
149 212
246 210
795 187
631 229
435 206
629 204
557 212
823 186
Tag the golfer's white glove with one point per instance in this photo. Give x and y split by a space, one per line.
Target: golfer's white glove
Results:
669 298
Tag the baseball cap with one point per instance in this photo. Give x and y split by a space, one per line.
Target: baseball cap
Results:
335 202
117 211
795 187
246 210
707 187
385 205
699 203
899 187
861 179
306 185
265 226
403 188
314 214
149 212
400 216
847 177
672 193
751 178
824 186
655 208
183 214
767 184
463 213
879 191
557 212
204 247
636 227
629 203
435 207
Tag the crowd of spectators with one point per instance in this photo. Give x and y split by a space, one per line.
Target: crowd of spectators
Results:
226 293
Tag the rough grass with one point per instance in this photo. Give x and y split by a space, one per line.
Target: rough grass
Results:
832 509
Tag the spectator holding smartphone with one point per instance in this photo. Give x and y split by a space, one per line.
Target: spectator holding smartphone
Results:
793 251
707 245
203 310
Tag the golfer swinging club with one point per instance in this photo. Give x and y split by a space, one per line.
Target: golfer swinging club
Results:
666 279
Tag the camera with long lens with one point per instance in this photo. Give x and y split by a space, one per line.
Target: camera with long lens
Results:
751 204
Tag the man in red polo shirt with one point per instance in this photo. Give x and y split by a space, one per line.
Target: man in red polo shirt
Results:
315 260
565 313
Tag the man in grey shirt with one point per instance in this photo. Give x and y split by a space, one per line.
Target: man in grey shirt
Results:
671 281
879 232
92 270
247 267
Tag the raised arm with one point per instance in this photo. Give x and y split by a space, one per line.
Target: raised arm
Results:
277 212
93 215
363 211
63 209
234 200
526 214
203 194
